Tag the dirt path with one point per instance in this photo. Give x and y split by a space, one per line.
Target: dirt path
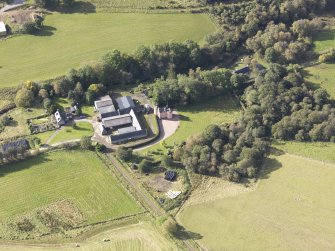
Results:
53 135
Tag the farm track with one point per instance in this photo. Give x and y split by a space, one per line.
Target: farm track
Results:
158 211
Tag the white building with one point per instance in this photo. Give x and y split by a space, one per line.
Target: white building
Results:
3 30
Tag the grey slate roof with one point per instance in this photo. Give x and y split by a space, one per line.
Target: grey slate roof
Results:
126 130
102 103
116 121
125 102
15 144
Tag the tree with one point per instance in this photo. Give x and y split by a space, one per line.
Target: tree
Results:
68 3
145 166
170 226
24 98
43 93
124 153
86 143
47 3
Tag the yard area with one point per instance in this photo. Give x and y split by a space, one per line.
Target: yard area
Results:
78 33
19 127
76 180
71 132
195 118
290 209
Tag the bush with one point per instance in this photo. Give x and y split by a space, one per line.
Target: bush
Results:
86 143
100 148
145 166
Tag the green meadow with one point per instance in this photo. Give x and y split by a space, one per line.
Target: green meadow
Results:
324 40
70 40
291 208
77 176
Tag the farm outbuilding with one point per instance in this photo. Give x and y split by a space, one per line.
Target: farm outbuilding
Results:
3 30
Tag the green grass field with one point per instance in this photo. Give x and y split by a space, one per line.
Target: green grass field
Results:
291 209
70 132
195 118
77 176
322 75
316 150
70 40
324 40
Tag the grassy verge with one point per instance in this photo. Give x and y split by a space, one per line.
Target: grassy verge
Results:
289 210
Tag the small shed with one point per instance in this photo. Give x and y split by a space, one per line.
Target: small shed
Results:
243 70
3 30
170 175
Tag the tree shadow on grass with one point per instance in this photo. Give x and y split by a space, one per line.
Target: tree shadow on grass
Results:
183 118
325 35
270 165
79 7
46 31
184 234
23 164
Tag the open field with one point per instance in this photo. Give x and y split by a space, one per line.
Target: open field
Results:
316 150
324 40
322 75
70 132
75 180
291 209
195 118
142 236
82 41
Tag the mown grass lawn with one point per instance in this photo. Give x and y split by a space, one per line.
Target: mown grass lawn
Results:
75 175
195 118
291 209
70 40
322 75
71 132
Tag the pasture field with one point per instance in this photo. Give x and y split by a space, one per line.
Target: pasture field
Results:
75 131
195 118
322 75
70 40
140 237
324 40
75 183
289 209
323 151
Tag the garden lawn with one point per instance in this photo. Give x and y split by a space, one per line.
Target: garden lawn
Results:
69 40
316 150
71 132
195 118
291 209
79 176
324 40
322 75
19 127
